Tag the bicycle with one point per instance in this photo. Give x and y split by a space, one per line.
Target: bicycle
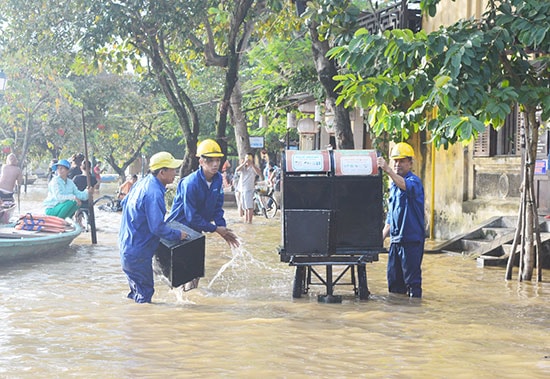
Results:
264 203
106 203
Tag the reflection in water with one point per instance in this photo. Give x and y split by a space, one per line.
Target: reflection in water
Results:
66 314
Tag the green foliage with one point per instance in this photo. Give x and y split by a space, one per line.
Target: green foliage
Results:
278 70
278 67
453 82
121 116
336 19
35 114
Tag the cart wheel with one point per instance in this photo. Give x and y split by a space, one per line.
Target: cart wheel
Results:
299 282
362 282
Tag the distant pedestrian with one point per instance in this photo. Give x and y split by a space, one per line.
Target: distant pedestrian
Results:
97 174
247 182
404 223
81 181
125 187
76 162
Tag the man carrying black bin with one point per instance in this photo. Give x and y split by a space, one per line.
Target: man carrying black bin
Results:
143 225
198 203
404 223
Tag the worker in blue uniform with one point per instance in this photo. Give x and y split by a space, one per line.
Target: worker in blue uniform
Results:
143 225
404 223
199 197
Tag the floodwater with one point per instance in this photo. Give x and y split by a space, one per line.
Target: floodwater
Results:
66 315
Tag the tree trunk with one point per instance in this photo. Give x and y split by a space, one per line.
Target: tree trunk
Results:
239 121
532 137
528 222
231 78
26 140
180 102
121 170
326 70
237 43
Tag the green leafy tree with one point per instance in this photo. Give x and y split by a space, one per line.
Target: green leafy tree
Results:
455 83
164 39
330 23
122 117
33 104
279 69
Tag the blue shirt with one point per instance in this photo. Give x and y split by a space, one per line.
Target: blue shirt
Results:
143 225
406 211
198 205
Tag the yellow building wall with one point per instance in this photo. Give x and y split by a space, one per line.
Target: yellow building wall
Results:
445 189
449 12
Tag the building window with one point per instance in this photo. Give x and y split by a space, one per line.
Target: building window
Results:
505 141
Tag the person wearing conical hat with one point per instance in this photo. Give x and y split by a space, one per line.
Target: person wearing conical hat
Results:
404 223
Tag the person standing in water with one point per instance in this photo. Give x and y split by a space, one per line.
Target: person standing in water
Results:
248 172
199 197
404 223
143 225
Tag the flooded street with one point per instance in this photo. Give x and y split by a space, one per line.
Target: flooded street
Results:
66 315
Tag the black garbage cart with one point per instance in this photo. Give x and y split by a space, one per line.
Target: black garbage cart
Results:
332 215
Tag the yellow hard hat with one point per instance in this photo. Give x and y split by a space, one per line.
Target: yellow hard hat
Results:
209 148
164 160
402 150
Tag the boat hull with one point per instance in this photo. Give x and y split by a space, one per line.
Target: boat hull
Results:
15 244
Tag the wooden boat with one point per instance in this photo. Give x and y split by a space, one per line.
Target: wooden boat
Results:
16 243
109 178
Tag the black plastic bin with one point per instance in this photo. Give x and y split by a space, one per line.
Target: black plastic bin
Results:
179 262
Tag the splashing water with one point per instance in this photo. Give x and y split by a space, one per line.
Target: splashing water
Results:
240 263
181 296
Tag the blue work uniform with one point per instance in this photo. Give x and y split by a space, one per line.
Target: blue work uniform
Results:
199 204
406 220
141 228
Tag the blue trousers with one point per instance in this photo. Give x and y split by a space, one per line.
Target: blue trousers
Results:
404 272
139 271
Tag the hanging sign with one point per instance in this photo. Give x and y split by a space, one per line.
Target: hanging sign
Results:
256 142
540 166
355 162
307 161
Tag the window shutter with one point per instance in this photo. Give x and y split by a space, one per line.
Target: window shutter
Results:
520 125
481 145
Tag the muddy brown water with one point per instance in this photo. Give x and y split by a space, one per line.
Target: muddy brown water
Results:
66 315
